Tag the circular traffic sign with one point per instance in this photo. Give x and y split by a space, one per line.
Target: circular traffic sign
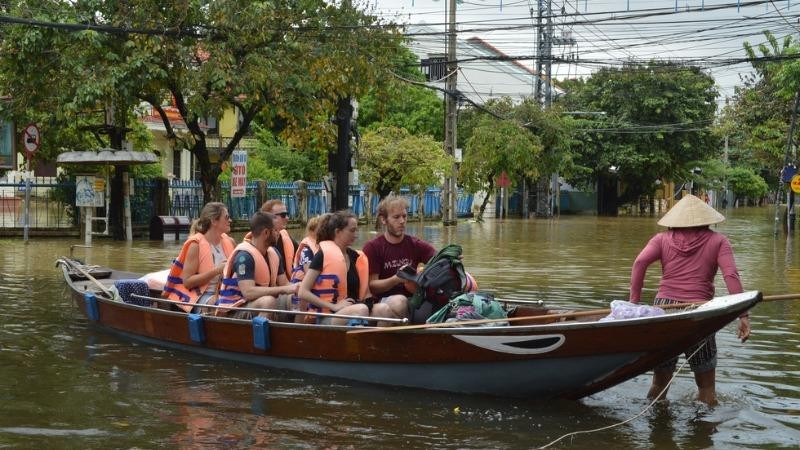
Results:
31 138
795 184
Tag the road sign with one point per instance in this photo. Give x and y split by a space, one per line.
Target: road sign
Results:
796 183
503 181
31 138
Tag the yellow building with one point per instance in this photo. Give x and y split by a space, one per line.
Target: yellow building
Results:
180 163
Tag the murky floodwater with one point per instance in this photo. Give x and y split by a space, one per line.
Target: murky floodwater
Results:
66 385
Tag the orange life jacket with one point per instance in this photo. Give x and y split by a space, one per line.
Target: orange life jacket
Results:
331 283
266 274
174 288
288 249
298 271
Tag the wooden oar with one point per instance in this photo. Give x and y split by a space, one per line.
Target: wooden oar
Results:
83 272
772 298
591 312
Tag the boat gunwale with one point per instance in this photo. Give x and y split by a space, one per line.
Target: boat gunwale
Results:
712 308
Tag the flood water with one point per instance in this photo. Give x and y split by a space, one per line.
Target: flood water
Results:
64 384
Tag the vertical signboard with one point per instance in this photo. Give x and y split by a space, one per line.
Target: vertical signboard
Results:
85 191
238 173
7 139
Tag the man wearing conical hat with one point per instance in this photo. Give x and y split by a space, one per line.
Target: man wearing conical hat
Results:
690 254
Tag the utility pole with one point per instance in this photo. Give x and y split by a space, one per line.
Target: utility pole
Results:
544 96
788 160
451 117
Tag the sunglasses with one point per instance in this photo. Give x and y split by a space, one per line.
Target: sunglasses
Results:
283 214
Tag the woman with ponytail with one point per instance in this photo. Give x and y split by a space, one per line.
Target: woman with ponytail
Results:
195 273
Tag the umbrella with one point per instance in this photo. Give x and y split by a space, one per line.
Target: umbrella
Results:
117 158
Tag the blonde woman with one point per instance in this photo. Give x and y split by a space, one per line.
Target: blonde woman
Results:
195 273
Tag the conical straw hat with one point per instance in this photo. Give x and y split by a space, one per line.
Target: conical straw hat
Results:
690 211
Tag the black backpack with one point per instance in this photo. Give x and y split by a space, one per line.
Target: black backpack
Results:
442 278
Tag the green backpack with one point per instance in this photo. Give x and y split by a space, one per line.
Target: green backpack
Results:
471 306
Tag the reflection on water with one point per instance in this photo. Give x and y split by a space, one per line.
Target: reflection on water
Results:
64 381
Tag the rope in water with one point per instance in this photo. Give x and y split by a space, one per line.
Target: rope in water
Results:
630 419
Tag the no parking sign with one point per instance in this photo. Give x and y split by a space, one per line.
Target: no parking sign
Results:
31 139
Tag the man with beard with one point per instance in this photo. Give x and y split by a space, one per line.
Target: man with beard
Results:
251 277
392 250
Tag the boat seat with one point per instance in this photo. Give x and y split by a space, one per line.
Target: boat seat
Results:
127 288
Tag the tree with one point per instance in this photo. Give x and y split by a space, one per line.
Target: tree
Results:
283 63
497 146
402 103
272 159
746 183
657 119
756 120
390 158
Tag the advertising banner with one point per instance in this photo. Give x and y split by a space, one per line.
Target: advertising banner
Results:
238 173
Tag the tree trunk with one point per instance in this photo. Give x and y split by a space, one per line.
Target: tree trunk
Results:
607 196
543 197
209 173
489 194
115 211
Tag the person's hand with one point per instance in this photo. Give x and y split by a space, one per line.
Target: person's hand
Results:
291 288
338 306
744 328
221 266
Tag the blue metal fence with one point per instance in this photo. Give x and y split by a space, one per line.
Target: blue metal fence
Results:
143 201
187 196
52 202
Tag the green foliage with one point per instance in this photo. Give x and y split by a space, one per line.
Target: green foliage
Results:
497 146
257 169
656 121
399 103
756 120
146 171
283 63
390 158
292 164
746 183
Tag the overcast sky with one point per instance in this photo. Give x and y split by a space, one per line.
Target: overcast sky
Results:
710 33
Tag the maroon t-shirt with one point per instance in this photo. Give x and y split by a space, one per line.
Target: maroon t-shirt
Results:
385 258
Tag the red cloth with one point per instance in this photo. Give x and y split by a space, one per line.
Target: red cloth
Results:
689 259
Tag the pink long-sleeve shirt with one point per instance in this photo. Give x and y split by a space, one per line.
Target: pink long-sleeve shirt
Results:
689 261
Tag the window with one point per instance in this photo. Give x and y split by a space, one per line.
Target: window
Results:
211 125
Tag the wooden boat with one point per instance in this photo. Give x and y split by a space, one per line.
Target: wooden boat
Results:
539 354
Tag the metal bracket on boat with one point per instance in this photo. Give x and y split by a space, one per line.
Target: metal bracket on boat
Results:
261 333
92 311
197 331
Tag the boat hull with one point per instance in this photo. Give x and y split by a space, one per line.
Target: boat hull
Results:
568 359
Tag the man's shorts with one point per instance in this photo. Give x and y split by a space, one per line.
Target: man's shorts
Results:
204 299
704 360
284 303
